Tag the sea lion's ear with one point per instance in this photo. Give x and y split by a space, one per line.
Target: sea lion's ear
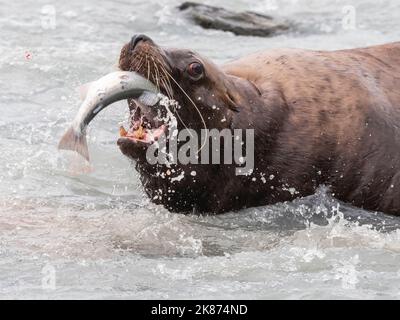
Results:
231 95
232 103
235 92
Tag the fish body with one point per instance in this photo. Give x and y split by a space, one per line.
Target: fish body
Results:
113 87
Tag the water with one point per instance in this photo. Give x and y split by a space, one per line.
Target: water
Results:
98 234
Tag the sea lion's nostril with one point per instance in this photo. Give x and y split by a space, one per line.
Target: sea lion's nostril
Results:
137 38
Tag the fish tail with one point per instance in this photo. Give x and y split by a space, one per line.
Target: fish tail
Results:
74 141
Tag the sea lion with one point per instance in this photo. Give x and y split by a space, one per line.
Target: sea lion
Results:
319 118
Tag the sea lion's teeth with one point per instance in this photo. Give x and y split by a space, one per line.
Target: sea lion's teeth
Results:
136 124
139 133
122 131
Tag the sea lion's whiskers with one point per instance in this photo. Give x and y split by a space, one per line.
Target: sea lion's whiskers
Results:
170 95
166 88
197 109
148 68
162 77
157 75
167 79
139 64
141 59
166 82
137 67
136 60
165 74
157 84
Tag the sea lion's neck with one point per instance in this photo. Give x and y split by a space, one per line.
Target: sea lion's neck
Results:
263 109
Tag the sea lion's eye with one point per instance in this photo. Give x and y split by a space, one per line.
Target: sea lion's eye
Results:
195 70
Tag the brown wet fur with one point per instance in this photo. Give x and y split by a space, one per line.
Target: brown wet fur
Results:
320 118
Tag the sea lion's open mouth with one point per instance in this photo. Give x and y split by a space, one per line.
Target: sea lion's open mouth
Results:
145 127
147 123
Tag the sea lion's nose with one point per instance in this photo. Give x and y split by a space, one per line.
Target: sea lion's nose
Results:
137 38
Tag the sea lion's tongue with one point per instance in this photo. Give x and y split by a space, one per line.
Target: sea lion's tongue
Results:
142 135
142 130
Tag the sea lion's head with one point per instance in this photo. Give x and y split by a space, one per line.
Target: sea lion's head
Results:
206 97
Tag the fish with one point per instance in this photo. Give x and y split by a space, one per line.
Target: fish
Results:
98 95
